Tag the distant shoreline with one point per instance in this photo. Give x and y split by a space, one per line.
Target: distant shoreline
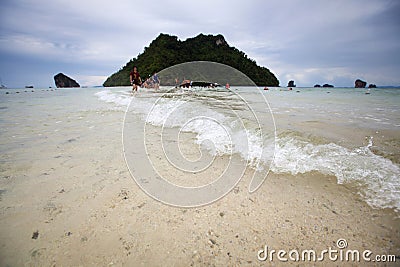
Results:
297 87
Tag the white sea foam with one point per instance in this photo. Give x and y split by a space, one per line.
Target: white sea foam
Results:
212 135
208 124
110 97
377 176
215 131
253 149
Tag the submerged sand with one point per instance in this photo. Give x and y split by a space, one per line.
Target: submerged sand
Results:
74 203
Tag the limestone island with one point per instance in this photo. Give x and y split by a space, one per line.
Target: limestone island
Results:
166 51
63 81
359 84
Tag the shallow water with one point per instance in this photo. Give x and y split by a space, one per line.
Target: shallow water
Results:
335 131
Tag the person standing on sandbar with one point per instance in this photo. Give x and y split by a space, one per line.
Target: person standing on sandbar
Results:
135 79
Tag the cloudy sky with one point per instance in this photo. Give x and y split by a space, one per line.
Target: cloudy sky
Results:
309 41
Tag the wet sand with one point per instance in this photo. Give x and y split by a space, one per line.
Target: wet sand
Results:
73 202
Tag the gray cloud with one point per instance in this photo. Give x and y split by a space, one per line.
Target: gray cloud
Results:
310 41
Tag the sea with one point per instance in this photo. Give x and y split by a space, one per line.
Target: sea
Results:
352 134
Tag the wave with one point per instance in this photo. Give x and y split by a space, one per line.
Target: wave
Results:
121 100
377 177
220 134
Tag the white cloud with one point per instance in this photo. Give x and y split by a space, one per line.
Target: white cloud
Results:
90 80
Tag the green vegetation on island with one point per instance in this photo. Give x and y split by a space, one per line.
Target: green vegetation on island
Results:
166 51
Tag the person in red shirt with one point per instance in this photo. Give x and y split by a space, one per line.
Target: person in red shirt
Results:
135 79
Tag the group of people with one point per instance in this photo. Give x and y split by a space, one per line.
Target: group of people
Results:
154 81
136 80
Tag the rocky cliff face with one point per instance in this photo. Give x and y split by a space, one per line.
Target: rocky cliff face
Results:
291 84
63 81
359 84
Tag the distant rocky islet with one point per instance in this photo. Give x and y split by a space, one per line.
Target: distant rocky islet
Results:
63 81
357 84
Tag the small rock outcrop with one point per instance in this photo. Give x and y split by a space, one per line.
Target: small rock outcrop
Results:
291 84
327 85
317 85
371 85
63 81
359 84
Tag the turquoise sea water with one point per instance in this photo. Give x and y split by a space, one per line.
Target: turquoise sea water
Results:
334 131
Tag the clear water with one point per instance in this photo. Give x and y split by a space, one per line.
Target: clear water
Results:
335 131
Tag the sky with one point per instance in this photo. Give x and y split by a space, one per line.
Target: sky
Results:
308 41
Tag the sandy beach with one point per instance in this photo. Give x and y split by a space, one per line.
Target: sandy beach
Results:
188 133
105 220
68 199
